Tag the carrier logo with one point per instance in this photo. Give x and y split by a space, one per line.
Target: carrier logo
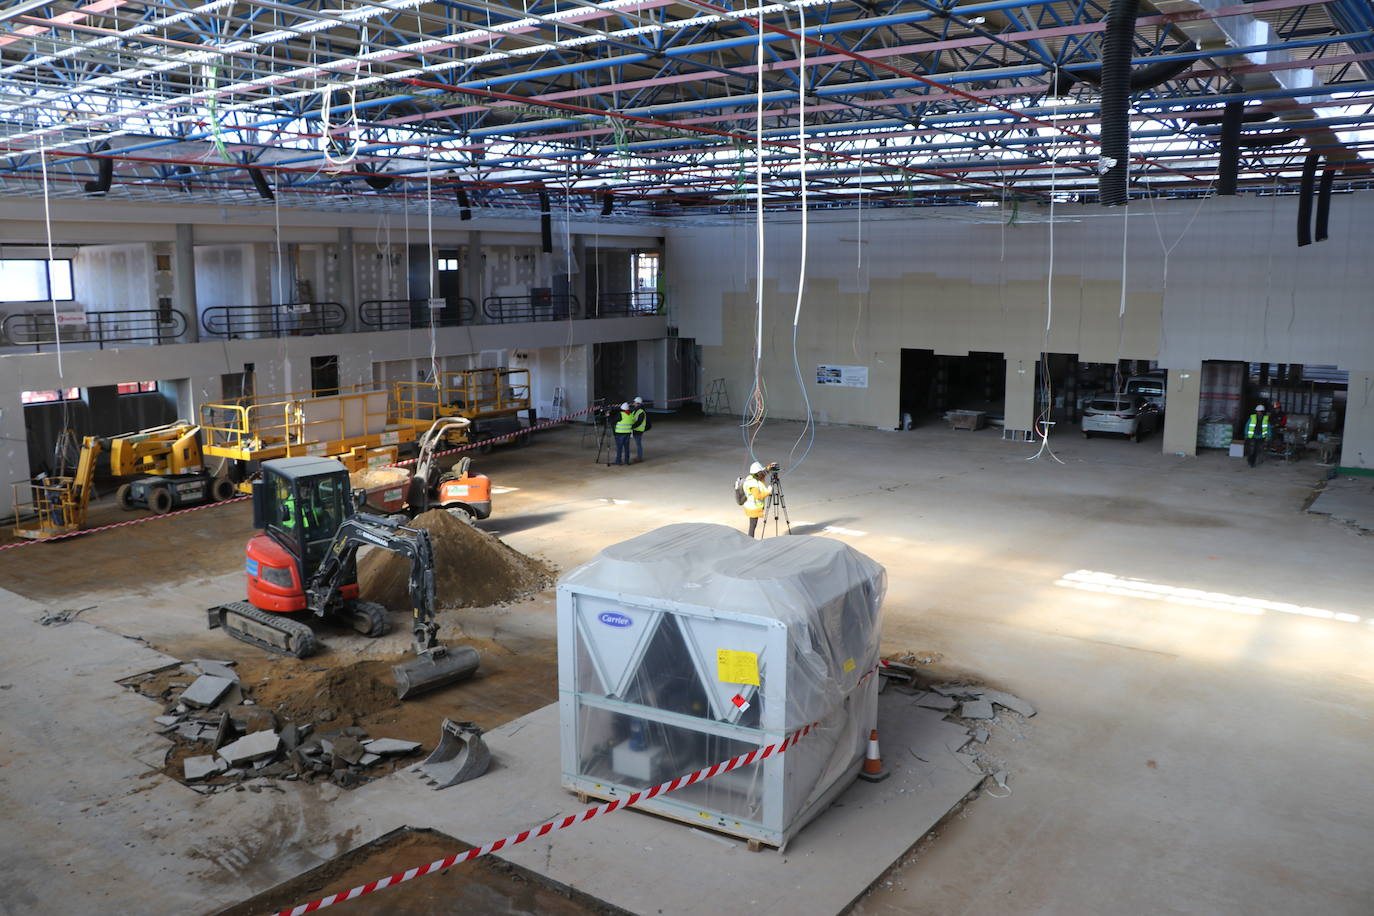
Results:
615 620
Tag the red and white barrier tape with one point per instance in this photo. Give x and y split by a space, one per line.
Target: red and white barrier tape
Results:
553 826
409 461
132 521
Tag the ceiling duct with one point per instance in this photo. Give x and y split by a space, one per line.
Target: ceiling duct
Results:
260 182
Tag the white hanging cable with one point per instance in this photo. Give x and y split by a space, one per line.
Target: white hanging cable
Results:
1121 311
809 429
755 409
47 227
351 126
1042 419
429 231
568 271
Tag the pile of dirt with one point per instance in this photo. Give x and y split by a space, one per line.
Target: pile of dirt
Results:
338 696
471 568
367 478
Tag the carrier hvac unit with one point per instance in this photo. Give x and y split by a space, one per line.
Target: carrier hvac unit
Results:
692 644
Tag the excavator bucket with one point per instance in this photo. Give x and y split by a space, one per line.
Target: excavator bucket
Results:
434 668
460 756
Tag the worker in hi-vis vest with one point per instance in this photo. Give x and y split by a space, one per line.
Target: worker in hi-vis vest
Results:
756 493
1256 434
624 425
641 418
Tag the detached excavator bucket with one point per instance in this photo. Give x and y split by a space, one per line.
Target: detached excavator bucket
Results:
434 668
460 756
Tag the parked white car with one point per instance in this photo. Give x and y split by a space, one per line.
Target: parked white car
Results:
1151 387
1121 415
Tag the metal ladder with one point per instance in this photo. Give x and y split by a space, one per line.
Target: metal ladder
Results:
717 398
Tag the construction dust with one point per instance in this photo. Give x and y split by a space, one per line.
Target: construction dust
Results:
471 568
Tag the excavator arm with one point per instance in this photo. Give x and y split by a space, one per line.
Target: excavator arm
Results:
340 564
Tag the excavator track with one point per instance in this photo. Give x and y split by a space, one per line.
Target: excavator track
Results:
273 632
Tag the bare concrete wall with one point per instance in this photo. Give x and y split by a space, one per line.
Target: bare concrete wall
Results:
1215 279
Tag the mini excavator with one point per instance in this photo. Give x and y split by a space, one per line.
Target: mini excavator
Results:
304 564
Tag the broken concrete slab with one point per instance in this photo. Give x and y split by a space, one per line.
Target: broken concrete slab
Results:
253 719
167 721
958 690
1015 704
348 750
981 735
201 767
232 697
251 747
216 668
976 709
206 691
222 730
936 701
290 737
369 759
388 746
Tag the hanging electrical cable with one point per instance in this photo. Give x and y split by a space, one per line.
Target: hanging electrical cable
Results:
1042 417
47 228
809 429
756 407
429 232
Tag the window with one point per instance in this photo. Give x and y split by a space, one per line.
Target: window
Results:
137 387
50 396
646 270
35 280
447 263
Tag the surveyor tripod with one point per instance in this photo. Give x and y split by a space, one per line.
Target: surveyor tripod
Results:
775 510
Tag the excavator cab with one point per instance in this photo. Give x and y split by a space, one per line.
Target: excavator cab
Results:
300 503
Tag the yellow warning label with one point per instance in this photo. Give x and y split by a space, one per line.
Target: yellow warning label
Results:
849 665
737 667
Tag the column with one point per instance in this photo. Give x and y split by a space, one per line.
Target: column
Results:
184 281
1182 395
1019 412
348 296
14 449
1357 439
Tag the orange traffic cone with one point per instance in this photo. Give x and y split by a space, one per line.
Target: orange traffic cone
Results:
873 762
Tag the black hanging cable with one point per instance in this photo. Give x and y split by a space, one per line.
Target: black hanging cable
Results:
1228 170
260 182
104 173
465 205
545 222
1324 202
607 204
1117 44
1309 178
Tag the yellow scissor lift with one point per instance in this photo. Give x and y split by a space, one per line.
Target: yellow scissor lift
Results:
492 399
353 425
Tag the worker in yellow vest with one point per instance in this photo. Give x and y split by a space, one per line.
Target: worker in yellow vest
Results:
624 426
756 493
1256 434
641 424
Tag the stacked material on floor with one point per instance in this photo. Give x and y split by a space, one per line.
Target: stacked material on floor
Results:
692 644
1214 432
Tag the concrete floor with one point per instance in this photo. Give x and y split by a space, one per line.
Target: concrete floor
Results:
1204 727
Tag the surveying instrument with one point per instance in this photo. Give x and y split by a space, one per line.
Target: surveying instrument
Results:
775 509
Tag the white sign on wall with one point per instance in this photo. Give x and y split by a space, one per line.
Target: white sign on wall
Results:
843 376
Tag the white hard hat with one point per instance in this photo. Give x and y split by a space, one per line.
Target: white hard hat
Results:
625 405
755 468
639 400
1259 406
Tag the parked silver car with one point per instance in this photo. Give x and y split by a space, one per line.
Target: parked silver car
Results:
1121 415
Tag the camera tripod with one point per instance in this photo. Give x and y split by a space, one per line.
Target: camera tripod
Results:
602 418
775 510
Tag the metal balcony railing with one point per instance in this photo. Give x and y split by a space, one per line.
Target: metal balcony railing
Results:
144 326
620 305
294 319
506 309
401 314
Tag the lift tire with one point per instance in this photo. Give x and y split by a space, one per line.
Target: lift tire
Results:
523 439
1087 435
484 447
369 618
462 513
160 500
221 488
124 496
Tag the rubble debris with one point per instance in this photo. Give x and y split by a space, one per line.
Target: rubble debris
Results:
167 721
981 735
369 759
206 691
976 709
200 767
1015 704
936 701
387 746
251 747
216 668
347 749
222 730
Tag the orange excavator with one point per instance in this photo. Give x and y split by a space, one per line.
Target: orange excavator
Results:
304 565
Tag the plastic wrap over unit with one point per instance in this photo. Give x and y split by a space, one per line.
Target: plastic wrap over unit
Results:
692 643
